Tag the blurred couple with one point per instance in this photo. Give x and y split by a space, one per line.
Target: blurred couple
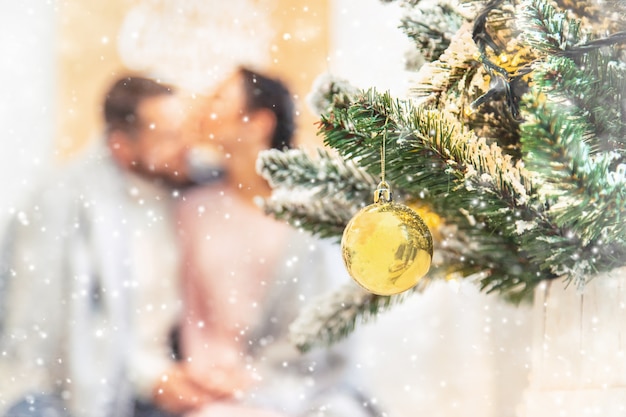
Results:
127 288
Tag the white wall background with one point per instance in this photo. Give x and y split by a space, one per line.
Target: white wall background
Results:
27 96
367 48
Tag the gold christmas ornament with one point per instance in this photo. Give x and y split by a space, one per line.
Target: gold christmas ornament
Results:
387 247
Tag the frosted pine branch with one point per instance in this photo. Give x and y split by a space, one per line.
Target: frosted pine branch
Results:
318 193
437 77
431 26
325 172
324 217
331 317
328 91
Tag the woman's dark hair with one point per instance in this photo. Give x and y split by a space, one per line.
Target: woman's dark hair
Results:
266 93
123 98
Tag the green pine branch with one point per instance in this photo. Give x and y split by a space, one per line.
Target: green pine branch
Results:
427 153
546 29
592 91
584 192
469 183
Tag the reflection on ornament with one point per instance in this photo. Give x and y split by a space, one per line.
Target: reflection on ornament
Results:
387 248
432 219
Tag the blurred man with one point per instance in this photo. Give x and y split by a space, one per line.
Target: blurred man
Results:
89 279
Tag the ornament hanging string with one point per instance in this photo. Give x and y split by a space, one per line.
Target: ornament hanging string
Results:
382 191
382 153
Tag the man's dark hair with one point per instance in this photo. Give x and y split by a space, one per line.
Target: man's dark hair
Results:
123 98
266 93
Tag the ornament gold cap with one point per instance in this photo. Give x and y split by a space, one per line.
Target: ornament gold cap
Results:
382 193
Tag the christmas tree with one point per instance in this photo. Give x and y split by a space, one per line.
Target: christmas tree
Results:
512 146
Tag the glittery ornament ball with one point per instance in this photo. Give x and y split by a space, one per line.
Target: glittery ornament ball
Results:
387 248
